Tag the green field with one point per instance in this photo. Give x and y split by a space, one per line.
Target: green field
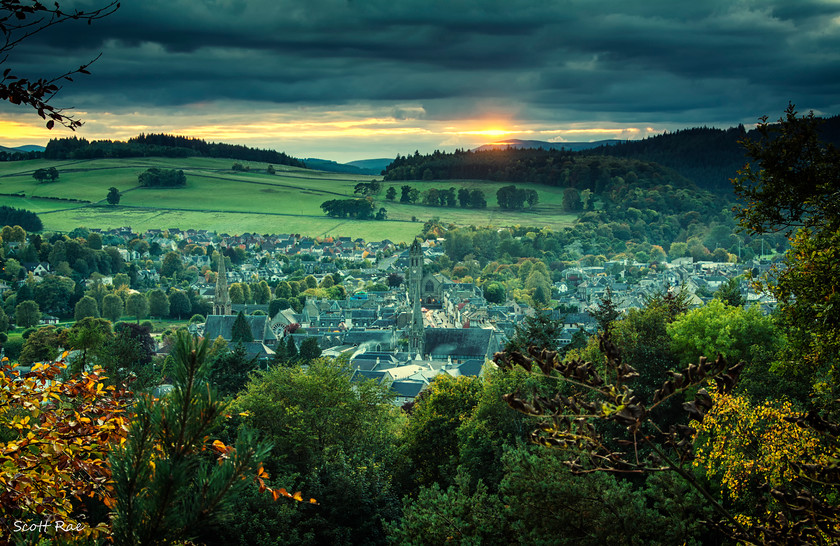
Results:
219 199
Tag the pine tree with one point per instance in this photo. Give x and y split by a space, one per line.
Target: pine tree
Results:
166 487
230 370
241 330
291 350
309 349
607 311
280 356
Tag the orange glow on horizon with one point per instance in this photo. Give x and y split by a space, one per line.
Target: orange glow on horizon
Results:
331 127
25 133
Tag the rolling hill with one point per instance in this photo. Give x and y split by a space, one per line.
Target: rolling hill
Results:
223 200
545 145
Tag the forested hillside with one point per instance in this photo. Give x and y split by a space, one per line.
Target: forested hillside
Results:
708 157
549 167
161 145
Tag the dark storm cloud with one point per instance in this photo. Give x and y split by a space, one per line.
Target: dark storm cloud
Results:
685 62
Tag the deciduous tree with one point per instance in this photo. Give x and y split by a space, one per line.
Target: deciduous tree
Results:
113 196
112 307
158 303
56 436
86 307
137 306
27 314
179 304
792 187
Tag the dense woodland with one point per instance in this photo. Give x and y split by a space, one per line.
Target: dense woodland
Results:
708 157
160 145
624 437
28 220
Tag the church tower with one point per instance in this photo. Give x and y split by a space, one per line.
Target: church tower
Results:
415 276
221 304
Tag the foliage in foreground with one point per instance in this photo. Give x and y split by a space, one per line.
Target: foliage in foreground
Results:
170 480
794 511
55 437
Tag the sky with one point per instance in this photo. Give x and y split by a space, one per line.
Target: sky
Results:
356 79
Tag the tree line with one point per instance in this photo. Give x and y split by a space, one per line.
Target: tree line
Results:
527 165
161 145
28 220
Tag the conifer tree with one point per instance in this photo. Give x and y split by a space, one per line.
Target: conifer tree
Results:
166 487
291 350
231 368
241 330
280 356
309 349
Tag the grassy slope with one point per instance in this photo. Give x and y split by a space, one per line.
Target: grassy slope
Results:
225 201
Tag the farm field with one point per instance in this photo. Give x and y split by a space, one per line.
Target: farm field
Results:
223 200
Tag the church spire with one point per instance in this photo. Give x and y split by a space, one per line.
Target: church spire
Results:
415 276
221 303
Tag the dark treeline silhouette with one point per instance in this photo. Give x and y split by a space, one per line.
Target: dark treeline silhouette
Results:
20 156
525 165
161 145
549 167
708 157
28 220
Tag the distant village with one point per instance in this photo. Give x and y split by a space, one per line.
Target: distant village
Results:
406 335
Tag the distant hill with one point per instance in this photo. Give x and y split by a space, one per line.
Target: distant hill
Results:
25 148
361 166
30 148
333 166
545 145
371 166
707 156
17 153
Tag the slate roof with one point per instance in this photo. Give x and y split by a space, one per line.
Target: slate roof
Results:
407 389
470 367
221 325
364 375
258 350
358 337
444 342
371 361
